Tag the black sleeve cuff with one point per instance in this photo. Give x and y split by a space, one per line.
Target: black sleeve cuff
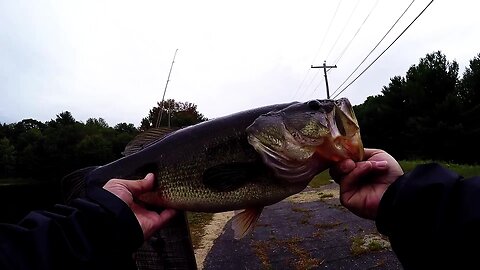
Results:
126 227
385 213
416 196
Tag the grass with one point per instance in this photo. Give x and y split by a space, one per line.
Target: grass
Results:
261 250
322 227
19 182
320 179
461 169
302 258
324 178
368 243
307 214
325 196
197 223
328 226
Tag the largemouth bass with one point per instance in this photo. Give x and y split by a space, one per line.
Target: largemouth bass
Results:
246 160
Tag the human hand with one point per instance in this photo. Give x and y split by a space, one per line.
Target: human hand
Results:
363 184
128 191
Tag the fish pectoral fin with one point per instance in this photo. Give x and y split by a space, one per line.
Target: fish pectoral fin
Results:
228 177
244 222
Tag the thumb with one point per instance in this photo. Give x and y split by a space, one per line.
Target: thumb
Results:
140 186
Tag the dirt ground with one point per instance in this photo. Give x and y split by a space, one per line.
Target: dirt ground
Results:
309 230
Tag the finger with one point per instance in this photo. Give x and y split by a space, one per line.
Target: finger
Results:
163 218
140 186
338 171
167 214
379 165
362 169
369 152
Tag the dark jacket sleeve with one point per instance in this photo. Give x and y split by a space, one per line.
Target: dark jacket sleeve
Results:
98 232
432 218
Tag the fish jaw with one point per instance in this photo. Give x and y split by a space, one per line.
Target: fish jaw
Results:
304 139
344 140
334 150
296 167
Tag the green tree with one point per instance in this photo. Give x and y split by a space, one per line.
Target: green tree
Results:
469 93
124 127
145 124
174 114
470 84
30 152
433 104
97 122
61 137
430 84
94 150
124 133
63 119
382 118
416 116
7 158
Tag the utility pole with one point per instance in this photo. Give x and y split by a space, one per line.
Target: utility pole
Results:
325 72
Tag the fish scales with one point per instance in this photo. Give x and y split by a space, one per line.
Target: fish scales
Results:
182 185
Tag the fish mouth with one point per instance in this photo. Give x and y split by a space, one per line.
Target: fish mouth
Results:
309 160
353 147
300 141
346 131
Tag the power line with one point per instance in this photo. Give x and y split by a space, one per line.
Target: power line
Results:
310 83
383 50
319 83
337 39
328 30
345 26
371 51
319 49
356 33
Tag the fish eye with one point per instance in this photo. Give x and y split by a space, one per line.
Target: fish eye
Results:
314 105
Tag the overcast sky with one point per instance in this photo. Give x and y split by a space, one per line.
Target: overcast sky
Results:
111 59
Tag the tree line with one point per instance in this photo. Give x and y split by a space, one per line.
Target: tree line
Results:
430 113
49 150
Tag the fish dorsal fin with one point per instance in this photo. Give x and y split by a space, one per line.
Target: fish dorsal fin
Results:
230 176
146 138
244 222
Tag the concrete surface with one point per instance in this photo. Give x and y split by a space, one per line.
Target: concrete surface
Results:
310 230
